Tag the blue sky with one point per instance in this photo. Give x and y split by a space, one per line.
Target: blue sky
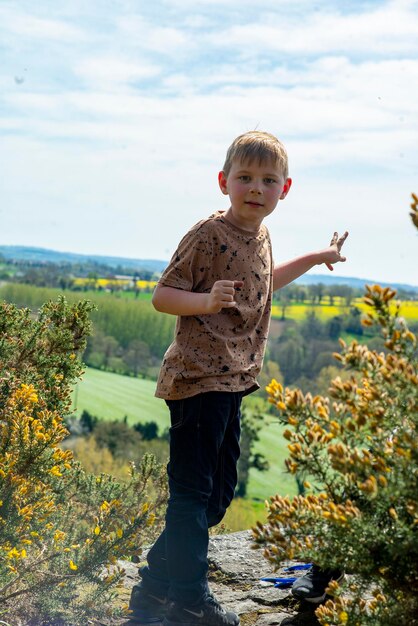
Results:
115 118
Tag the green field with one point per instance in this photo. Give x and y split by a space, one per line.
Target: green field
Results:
111 397
262 485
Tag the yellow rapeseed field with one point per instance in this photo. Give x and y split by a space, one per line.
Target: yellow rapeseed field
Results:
324 311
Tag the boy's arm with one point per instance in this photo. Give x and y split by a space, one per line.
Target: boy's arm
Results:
180 302
288 271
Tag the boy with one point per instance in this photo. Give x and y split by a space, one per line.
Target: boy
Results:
219 283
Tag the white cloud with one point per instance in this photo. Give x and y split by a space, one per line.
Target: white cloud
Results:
382 31
106 72
17 22
144 34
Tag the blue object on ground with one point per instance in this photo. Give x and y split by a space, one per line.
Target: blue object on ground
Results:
284 583
294 568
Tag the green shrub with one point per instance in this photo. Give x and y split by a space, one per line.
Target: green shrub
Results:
360 451
61 529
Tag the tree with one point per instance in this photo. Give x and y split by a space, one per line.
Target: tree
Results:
353 323
360 452
335 326
311 327
290 354
137 356
284 297
88 421
147 430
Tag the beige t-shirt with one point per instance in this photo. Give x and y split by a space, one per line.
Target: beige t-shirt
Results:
222 351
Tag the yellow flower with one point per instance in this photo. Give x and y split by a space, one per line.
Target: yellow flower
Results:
343 617
97 530
13 554
59 535
119 533
73 566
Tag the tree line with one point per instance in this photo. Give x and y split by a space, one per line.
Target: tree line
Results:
130 338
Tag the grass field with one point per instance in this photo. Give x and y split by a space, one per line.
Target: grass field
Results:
111 397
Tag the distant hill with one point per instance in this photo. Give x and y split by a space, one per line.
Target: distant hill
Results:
357 283
43 255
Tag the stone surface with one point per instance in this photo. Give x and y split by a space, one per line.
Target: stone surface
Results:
235 569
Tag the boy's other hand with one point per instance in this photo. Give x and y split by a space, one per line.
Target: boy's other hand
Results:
333 253
222 295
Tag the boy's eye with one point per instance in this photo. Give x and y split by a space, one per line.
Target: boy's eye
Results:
269 181
244 178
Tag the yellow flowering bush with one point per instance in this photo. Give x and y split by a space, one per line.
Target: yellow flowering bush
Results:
61 529
358 453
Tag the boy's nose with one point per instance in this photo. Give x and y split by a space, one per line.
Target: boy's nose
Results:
255 188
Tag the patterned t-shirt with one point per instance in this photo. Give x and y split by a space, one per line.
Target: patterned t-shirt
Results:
221 351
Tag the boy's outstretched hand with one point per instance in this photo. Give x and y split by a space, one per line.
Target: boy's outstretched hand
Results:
333 253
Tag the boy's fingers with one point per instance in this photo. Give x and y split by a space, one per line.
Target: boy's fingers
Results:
238 284
334 238
329 266
338 240
342 239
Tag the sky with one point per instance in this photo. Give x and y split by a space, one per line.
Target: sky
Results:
115 117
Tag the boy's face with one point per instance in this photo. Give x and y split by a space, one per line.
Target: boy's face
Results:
254 191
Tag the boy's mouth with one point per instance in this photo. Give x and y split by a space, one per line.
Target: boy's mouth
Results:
251 203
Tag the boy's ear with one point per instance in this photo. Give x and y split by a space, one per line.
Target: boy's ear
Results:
222 183
286 188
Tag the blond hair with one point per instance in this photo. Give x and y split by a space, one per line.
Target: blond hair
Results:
257 145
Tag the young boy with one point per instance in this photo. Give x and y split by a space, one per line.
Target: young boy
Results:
219 283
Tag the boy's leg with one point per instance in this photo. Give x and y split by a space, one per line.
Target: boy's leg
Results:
199 427
203 453
224 484
226 476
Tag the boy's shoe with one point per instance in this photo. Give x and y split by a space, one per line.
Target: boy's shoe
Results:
145 607
207 613
311 587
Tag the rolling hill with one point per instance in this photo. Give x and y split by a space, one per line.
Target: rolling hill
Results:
44 255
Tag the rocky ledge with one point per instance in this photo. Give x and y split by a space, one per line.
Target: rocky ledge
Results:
234 576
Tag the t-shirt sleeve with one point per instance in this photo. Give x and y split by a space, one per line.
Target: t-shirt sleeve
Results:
188 263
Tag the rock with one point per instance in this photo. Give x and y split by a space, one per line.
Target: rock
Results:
235 569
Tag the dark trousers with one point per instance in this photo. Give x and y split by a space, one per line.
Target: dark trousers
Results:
202 474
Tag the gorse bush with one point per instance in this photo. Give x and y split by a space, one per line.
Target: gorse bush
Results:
61 529
358 452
